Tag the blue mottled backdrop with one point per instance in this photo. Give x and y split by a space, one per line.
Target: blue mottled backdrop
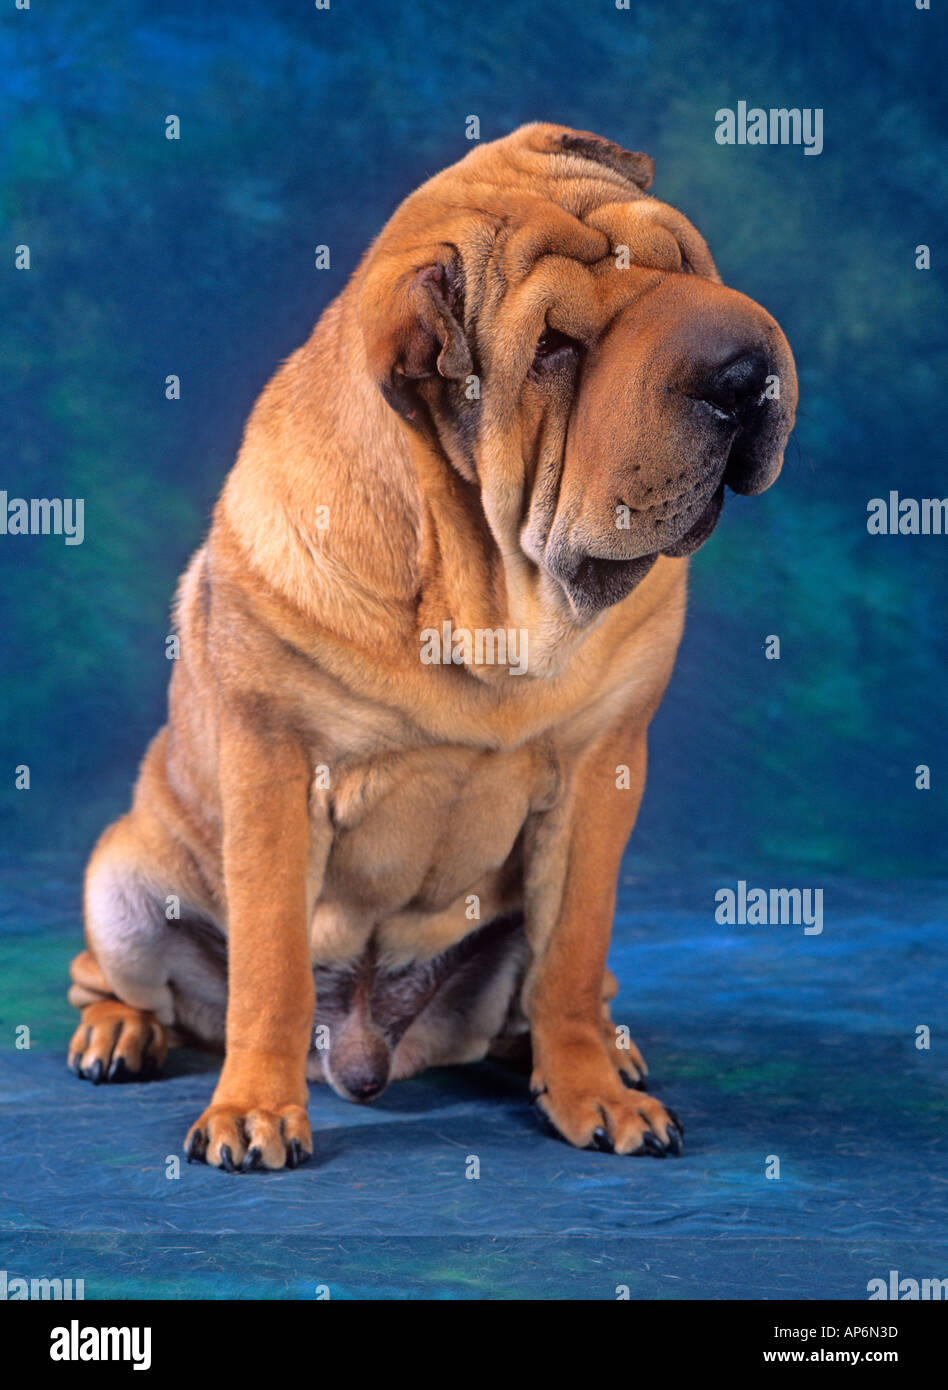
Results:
148 257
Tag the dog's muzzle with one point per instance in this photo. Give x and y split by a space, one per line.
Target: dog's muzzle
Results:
668 417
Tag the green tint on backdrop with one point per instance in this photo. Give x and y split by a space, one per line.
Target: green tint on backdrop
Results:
301 127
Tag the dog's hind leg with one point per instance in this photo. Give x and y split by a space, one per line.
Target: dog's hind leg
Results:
118 982
113 1041
89 985
116 1042
136 978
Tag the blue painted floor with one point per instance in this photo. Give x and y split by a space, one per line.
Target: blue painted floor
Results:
768 1043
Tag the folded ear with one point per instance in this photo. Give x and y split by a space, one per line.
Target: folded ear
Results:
633 165
411 322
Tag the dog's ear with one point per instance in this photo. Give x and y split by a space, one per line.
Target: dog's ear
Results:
633 165
412 329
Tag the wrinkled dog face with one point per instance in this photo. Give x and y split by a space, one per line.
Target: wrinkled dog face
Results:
681 388
619 387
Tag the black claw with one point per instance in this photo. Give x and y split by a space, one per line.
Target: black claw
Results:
75 1066
602 1142
651 1144
674 1140
296 1155
251 1161
227 1159
674 1119
96 1072
194 1151
632 1084
119 1070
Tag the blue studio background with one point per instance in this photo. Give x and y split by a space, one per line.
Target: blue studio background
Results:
195 257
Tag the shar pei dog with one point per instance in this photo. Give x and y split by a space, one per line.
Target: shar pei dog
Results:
437 607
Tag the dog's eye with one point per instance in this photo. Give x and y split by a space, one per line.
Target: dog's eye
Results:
554 349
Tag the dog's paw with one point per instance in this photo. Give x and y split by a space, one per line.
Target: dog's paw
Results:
240 1138
115 1042
587 1104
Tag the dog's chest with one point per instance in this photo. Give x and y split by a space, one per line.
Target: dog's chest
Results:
415 831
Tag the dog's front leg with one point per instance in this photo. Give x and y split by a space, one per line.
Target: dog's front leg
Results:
257 1117
573 858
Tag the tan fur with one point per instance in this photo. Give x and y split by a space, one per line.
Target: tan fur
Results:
300 652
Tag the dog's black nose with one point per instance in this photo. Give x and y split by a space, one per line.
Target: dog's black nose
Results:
738 384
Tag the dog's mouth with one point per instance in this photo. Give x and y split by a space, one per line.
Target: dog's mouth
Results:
592 582
700 530
598 583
